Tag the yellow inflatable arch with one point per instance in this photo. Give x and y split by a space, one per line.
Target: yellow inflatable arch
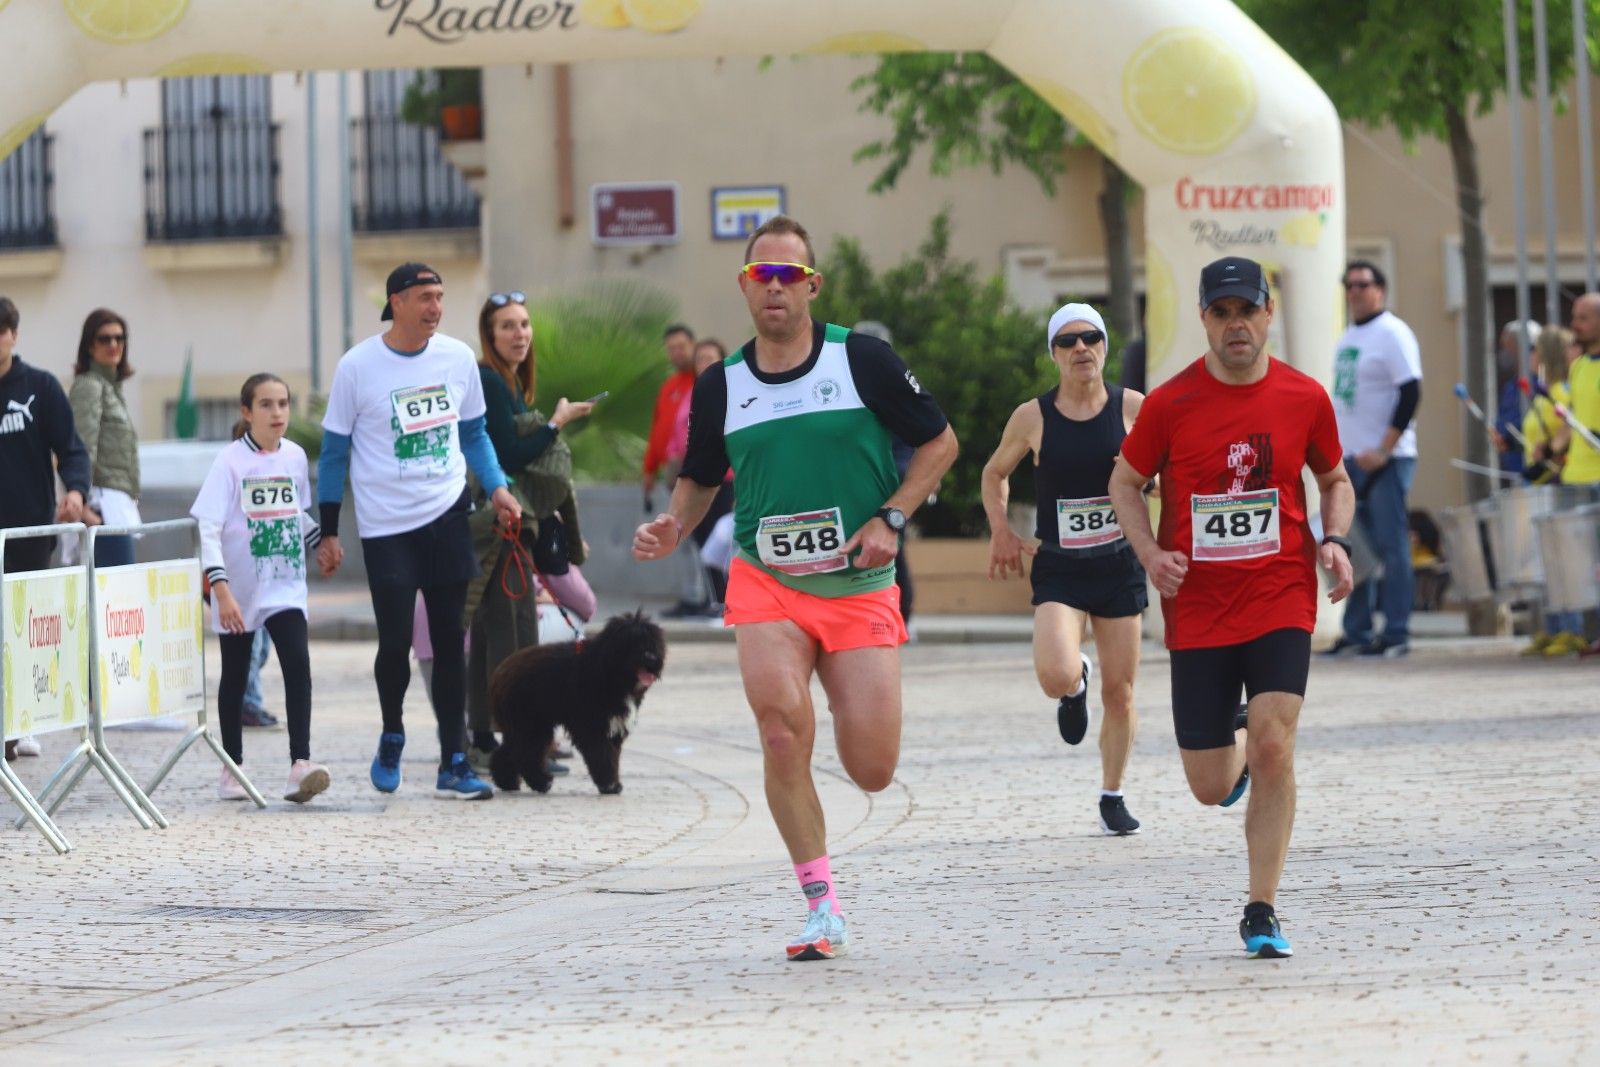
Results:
1237 149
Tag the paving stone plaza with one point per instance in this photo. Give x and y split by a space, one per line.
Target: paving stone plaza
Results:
1442 892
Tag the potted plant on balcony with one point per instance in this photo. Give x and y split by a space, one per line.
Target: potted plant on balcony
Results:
450 98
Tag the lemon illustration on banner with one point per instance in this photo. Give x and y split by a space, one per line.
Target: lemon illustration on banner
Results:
153 689
126 21
661 16
19 609
153 583
68 704
105 685
10 701
135 658
73 604
1160 309
866 43
1189 91
1076 110
606 14
1303 230
55 673
213 63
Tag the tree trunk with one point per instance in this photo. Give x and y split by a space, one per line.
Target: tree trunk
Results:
1477 363
1123 318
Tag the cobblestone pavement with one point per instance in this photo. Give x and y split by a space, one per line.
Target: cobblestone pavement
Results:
1443 891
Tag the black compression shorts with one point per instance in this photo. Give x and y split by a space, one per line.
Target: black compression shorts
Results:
1206 682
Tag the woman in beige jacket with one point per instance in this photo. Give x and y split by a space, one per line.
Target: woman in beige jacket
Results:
107 430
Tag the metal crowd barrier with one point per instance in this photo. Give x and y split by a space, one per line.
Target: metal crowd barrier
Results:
1538 543
44 664
146 645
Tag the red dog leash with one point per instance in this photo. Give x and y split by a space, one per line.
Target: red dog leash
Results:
524 562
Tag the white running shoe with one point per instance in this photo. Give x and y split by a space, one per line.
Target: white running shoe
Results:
825 936
306 780
229 787
28 745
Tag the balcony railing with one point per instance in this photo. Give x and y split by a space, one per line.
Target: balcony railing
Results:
27 195
402 182
211 179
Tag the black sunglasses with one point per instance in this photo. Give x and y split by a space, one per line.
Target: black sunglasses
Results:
500 300
1070 340
1359 285
109 338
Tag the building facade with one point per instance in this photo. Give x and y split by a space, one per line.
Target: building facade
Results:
157 209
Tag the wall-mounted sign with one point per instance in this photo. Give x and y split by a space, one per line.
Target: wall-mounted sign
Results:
635 213
738 211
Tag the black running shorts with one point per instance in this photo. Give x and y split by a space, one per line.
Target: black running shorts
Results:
1107 587
1206 682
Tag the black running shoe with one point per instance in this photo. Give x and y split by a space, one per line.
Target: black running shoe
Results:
1263 937
1072 714
1114 818
1345 646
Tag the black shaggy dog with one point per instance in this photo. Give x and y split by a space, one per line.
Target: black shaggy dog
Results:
591 687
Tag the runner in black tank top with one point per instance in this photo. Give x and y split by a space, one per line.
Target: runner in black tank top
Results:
1083 569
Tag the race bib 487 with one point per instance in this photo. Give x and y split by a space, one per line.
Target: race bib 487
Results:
1230 526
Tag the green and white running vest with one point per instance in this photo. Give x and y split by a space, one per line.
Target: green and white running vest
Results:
811 465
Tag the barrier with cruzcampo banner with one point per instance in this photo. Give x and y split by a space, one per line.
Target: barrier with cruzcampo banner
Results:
1237 149
149 641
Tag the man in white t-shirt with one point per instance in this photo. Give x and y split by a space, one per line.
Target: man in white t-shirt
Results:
1377 384
406 417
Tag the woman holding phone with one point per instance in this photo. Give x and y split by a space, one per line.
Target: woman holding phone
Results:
528 445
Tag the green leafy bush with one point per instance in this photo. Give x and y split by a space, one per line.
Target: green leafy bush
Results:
976 353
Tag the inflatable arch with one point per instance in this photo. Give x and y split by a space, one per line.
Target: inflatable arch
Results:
1237 149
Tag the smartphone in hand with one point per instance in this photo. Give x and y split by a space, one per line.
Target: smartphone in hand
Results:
598 397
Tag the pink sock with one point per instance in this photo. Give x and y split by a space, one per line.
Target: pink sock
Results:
816 882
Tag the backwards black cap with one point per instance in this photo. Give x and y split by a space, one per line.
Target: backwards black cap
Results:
407 276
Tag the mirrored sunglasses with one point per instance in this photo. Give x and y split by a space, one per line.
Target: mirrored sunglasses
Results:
786 273
500 300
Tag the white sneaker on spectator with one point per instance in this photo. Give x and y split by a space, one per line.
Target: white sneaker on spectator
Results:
229 788
28 745
306 780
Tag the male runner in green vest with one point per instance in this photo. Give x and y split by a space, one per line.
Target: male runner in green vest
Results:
805 414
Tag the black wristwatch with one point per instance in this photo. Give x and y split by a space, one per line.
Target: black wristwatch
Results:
893 518
1342 542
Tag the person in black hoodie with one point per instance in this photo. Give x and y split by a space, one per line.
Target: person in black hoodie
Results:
35 424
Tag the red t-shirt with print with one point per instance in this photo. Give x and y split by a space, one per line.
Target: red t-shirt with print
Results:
1233 498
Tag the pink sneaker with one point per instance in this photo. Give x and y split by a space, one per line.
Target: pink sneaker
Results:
306 780
228 787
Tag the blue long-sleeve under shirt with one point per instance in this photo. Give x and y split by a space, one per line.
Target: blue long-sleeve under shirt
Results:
333 464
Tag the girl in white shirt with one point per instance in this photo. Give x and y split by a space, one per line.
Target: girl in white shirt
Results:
255 541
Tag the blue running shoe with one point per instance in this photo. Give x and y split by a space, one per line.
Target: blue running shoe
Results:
461 782
825 936
1263 937
386 764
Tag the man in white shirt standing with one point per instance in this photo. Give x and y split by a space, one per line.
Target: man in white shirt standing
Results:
1377 384
405 419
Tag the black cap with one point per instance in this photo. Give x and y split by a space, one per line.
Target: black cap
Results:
1233 276
406 276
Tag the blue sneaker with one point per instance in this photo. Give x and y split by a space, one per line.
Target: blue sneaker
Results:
825 936
386 764
1241 720
461 782
1263 937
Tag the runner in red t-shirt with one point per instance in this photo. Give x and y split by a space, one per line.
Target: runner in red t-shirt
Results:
1235 561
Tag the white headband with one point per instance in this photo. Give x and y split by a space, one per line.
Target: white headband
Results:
1072 313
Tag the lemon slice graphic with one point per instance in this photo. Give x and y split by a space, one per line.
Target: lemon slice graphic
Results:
607 14
219 63
153 690
661 16
867 42
1303 230
1160 310
1076 110
1189 91
19 610
126 21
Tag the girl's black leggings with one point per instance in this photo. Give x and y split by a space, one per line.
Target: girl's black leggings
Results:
288 632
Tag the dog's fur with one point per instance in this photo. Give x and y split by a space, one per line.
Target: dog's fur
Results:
593 688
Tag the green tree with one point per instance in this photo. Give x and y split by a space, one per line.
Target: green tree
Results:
970 112
1425 69
977 354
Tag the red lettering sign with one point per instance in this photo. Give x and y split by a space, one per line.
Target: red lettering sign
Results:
1197 196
